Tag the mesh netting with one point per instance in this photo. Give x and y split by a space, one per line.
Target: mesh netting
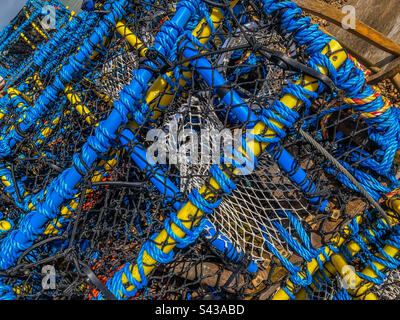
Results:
27 33
196 150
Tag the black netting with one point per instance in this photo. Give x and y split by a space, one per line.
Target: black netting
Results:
124 198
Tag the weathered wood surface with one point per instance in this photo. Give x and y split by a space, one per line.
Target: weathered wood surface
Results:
74 5
383 16
362 30
391 70
378 23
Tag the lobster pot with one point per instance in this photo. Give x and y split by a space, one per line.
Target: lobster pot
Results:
194 150
33 26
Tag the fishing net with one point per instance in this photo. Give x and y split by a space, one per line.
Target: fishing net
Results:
196 150
33 26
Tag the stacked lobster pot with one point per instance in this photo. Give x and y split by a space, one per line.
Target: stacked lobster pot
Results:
195 150
26 34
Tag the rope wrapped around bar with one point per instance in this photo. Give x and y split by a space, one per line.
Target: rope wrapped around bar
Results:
194 150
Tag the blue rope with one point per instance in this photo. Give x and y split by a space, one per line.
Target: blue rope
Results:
342 295
383 129
61 188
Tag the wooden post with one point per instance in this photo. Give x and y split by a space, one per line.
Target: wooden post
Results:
377 23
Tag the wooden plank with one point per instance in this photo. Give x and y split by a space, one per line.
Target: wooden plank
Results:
354 53
74 5
357 42
362 30
389 71
381 15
